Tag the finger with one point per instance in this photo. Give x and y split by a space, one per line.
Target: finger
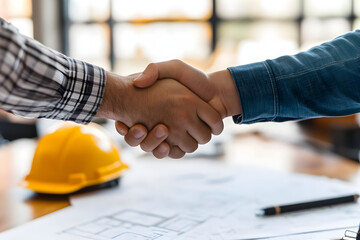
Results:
156 136
176 152
121 128
200 132
188 144
196 80
162 150
211 117
136 135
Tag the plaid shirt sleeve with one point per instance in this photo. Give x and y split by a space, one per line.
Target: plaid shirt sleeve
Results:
37 82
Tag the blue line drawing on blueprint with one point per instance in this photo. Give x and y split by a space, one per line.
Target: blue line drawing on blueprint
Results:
130 224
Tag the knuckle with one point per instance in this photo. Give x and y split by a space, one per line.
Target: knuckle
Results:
187 100
176 61
216 120
192 148
205 138
151 66
217 126
146 147
221 127
183 117
173 139
158 155
188 145
177 155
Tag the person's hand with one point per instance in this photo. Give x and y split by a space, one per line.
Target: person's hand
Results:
153 142
217 88
185 115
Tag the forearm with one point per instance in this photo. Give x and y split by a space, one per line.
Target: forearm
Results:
323 81
38 82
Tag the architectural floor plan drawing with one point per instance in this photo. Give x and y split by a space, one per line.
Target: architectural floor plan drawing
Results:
149 221
131 224
210 206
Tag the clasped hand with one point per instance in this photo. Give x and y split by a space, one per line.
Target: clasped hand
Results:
172 116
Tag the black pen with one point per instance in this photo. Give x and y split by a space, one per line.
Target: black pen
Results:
307 205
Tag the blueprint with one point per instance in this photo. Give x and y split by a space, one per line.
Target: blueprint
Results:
205 201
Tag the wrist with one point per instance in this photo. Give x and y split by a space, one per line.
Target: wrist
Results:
112 105
227 96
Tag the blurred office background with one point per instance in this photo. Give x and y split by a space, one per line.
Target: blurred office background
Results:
124 36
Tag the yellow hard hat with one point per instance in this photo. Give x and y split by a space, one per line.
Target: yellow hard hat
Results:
73 157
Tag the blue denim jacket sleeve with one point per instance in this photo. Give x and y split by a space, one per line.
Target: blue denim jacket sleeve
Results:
323 81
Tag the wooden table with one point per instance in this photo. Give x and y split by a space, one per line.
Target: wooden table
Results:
18 205
255 147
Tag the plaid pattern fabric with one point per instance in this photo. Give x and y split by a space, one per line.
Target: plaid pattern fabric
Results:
37 82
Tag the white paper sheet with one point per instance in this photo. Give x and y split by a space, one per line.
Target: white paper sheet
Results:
322 235
195 200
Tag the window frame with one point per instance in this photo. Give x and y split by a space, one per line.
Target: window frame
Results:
214 22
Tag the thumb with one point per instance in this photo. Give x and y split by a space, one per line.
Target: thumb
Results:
148 77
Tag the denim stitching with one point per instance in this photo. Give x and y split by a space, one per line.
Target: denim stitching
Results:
274 92
316 69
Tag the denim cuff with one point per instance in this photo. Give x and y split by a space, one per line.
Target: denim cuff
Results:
256 86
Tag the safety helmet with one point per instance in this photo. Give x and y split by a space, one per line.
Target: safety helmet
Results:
72 158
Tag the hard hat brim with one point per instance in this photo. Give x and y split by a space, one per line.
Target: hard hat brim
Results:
59 188
50 188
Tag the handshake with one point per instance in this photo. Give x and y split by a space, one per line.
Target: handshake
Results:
169 108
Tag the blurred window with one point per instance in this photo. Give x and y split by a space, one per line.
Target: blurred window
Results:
325 20
261 29
19 13
273 9
124 35
138 10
